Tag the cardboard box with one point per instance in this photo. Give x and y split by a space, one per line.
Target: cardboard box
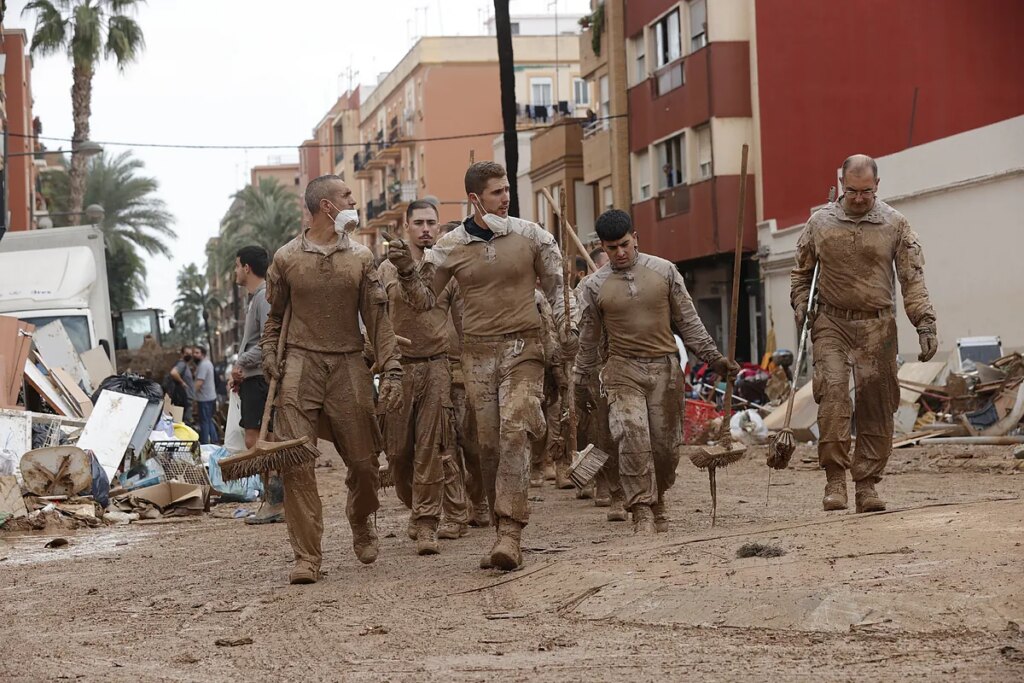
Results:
174 494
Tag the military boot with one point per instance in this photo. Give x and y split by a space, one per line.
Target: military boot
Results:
506 554
562 480
617 510
643 520
536 477
835 489
451 530
410 529
364 540
867 497
426 537
304 573
602 498
585 493
660 517
481 515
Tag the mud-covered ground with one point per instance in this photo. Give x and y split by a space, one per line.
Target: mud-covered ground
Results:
931 590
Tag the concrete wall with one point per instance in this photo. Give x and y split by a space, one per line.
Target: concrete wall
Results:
21 173
964 196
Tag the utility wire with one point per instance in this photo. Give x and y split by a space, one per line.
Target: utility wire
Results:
462 136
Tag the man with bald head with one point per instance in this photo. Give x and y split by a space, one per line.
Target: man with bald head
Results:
858 242
326 282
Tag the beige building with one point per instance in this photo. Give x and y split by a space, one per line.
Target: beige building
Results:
439 107
964 196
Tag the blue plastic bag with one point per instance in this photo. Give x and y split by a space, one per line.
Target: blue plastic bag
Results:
237 491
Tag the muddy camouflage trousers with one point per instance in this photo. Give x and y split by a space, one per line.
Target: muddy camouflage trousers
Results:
645 411
340 386
867 348
504 378
468 449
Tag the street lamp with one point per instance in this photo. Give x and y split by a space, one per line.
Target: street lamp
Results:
94 212
86 148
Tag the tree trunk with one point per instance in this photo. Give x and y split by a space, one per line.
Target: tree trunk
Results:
506 72
81 110
209 337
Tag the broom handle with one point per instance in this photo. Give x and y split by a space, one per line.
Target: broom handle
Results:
803 344
734 314
272 390
570 400
572 232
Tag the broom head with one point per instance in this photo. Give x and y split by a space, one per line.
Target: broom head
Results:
266 456
781 446
722 455
585 466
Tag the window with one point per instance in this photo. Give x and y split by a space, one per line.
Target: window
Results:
670 78
672 162
540 92
580 92
666 34
698 24
606 100
642 173
639 58
515 28
704 152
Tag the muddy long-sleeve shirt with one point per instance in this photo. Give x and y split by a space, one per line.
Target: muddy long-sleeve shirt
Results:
637 307
857 257
329 288
496 277
427 330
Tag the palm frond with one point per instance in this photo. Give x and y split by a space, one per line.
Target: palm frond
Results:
51 30
124 40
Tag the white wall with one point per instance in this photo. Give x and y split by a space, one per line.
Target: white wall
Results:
964 196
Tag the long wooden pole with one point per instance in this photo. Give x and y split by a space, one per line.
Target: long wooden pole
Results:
570 390
560 211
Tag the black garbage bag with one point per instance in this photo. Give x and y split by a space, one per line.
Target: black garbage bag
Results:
100 489
133 385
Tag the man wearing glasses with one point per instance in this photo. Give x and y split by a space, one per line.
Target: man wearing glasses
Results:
857 241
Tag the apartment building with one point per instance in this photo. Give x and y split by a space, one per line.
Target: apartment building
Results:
439 107
20 196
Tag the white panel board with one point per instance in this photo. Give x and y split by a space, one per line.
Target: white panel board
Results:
110 428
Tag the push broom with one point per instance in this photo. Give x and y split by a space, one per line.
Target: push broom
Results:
725 452
266 456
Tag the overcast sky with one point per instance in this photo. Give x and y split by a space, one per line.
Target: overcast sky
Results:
238 73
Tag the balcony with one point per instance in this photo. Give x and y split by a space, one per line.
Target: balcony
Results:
589 60
404 130
597 150
359 165
389 152
669 77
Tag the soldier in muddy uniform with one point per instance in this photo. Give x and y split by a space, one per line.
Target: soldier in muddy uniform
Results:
329 282
636 300
856 241
496 260
420 437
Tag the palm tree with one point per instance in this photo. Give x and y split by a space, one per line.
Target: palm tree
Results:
507 79
267 215
135 218
195 300
87 30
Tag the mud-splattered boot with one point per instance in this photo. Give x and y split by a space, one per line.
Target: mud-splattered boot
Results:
549 470
304 573
506 554
481 516
410 529
452 530
643 520
562 480
660 517
536 477
617 510
585 493
867 497
364 541
426 538
602 498
835 489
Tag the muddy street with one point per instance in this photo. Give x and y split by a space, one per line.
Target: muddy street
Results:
929 590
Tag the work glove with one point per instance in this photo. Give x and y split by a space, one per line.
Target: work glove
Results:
571 346
724 367
390 393
799 313
271 366
401 257
585 394
929 343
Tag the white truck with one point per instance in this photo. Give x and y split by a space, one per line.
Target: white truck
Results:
59 274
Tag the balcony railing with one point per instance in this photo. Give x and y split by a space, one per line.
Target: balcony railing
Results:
359 161
674 200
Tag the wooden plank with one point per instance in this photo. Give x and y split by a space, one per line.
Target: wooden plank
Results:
27 331
57 351
41 383
97 364
73 391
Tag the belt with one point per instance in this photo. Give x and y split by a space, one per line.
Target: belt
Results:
667 358
437 356
834 312
491 338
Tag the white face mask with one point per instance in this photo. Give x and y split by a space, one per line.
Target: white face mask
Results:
345 220
494 222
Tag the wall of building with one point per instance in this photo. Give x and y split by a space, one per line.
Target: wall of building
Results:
839 78
20 174
964 196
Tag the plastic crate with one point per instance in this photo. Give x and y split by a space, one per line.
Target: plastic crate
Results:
696 415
